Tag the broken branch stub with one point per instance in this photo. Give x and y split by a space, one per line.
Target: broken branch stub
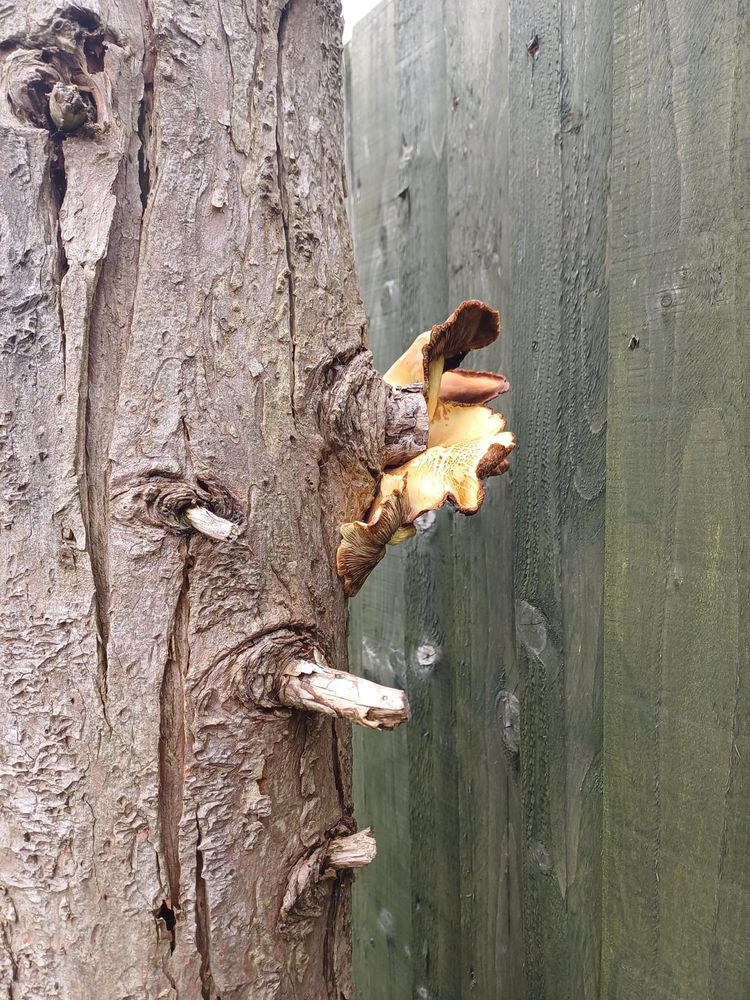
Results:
307 890
68 108
210 524
353 851
286 669
180 503
316 687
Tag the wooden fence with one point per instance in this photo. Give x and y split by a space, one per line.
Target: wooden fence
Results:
567 816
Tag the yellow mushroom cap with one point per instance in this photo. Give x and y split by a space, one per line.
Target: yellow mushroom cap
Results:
409 368
467 441
467 444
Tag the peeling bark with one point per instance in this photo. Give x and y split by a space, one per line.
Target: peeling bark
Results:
181 331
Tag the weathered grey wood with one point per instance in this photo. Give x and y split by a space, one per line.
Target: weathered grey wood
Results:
421 93
557 320
503 164
482 635
180 325
382 920
677 813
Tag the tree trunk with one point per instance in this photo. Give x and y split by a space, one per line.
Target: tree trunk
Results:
182 346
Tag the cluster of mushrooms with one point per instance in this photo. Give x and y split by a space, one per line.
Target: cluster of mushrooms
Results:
467 441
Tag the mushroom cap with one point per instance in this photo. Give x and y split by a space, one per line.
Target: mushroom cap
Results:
442 349
363 542
471 326
409 368
455 423
467 444
467 441
461 386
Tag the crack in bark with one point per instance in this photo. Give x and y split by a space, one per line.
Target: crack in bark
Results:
58 187
95 499
282 178
330 936
202 922
5 936
146 108
170 979
258 52
98 557
337 774
230 63
90 808
145 112
166 914
144 166
96 425
172 740
329 941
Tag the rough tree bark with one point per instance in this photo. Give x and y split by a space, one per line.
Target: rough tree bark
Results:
181 331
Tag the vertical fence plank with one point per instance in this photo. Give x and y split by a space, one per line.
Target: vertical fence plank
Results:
382 913
502 195
433 789
560 133
585 136
677 753
482 640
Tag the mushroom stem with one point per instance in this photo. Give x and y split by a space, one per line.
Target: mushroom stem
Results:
315 687
354 851
210 524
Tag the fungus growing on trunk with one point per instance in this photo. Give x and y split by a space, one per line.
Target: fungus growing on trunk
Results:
467 441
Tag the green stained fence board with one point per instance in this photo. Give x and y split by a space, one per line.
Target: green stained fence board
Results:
428 608
475 167
482 637
677 698
557 316
382 916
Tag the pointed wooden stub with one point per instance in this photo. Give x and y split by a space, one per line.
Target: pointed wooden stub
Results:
210 524
316 687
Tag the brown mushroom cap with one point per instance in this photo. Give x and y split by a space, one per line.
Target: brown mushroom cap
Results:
471 326
467 441
459 386
363 543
